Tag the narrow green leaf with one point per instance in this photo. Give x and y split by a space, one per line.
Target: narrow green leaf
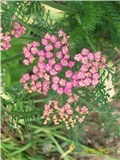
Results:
18 56
60 7
22 149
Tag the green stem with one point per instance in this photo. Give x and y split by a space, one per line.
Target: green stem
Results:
59 6
36 101
58 146
90 42
22 149
18 56
28 38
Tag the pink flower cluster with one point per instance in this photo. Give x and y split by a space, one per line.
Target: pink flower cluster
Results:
65 113
88 73
54 60
17 31
51 62
5 41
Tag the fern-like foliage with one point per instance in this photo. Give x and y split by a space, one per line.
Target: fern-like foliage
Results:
19 107
100 20
30 14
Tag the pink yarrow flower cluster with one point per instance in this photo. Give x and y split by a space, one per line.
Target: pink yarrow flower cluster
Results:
55 60
64 114
52 69
17 31
49 64
88 73
5 41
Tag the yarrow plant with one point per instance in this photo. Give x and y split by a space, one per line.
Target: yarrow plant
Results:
52 69
17 31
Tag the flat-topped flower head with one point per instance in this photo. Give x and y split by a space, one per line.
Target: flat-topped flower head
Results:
53 69
63 114
17 31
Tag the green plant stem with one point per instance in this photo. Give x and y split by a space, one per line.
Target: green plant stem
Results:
18 56
58 146
28 38
59 6
90 42
22 149
36 101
